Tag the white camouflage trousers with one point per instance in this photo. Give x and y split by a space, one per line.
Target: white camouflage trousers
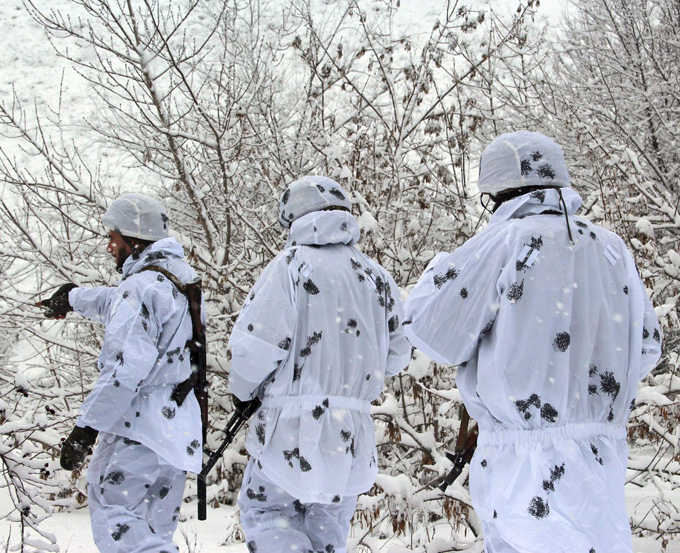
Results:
276 522
134 498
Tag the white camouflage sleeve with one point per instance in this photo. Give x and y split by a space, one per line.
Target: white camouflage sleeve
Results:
92 303
651 336
263 331
128 354
399 353
454 303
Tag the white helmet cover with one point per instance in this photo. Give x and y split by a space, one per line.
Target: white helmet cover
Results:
138 216
308 194
521 159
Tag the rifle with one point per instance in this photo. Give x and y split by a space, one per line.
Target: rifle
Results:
466 443
198 381
234 424
199 363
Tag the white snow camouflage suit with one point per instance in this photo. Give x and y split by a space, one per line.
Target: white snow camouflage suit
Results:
321 328
146 441
552 339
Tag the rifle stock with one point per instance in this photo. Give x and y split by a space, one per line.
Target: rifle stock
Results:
234 424
465 449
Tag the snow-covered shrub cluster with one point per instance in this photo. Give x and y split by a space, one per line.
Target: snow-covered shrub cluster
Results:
215 106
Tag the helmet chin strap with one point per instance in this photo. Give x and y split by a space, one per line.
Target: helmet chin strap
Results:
485 206
566 216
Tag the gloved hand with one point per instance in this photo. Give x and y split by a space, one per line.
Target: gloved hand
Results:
58 305
246 408
76 447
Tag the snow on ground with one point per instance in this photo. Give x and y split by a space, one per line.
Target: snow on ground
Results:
74 536
193 536
72 530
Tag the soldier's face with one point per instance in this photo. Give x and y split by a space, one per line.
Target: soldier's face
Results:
119 249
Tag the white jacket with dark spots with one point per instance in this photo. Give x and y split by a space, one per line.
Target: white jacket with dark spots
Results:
316 337
552 339
143 357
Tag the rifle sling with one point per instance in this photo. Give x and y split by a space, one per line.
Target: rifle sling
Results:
463 432
172 278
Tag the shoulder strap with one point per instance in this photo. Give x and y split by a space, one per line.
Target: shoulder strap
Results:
172 278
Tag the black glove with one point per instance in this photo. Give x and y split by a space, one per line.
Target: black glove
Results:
58 305
246 408
76 447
